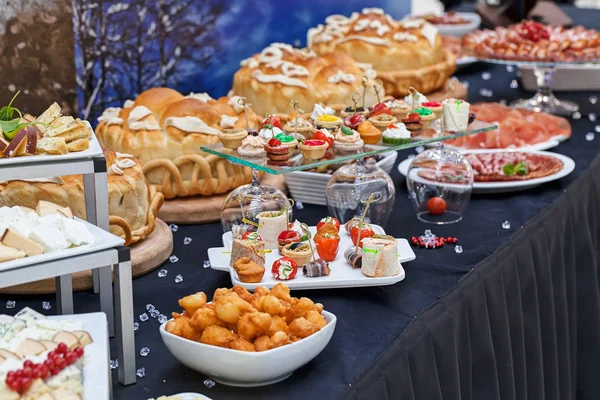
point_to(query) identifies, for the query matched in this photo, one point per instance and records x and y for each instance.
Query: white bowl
(462, 29)
(247, 369)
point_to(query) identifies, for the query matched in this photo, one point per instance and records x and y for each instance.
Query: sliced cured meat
(490, 167)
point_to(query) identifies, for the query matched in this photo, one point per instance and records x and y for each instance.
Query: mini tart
(348, 143)
(398, 108)
(252, 146)
(299, 252)
(369, 133)
(427, 116)
(346, 112)
(435, 107)
(328, 121)
(288, 141)
(306, 129)
(382, 121)
(232, 138)
(396, 134)
(311, 151)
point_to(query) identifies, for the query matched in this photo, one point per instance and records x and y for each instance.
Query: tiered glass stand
(544, 100)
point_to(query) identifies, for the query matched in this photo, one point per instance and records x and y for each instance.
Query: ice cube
(576, 115)
(486, 92)
(514, 84)
(173, 227)
(178, 279)
(428, 233)
(173, 259)
(46, 305)
(114, 364)
(465, 84)
(144, 317)
(187, 240)
(136, 326)
(592, 117)
(458, 248)
(589, 136)
(150, 307)
(509, 68)
(154, 313)
(597, 128)
(209, 383)
(141, 372)
(486, 76)
(11, 304)
(206, 264)
(419, 149)
(506, 225)
(144, 351)
(162, 273)
(299, 205)
(162, 318)
(593, 99)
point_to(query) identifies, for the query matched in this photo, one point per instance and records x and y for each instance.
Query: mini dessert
(434, 106)
(270, 225)
(353, 257)
(299, 125)
(399, 108)
(349, 111)
(455, 115)
(369, 133)
(382, 121)
(299, 252)
(250, 246)
(232, 138)
(380, 257)
(277, 154)
(359, 232)
(284, 269)
(288, 141)
(327, 220)
(316, 268)
(413, 124)
(252, 146)
(271, 121)
(427, 116)
(268, 132)
(418, 99)
(354, 120)
(396, 134)
(328, 121)
(288, 237)
(248, 271)
(320, 110)
(347, 140)
(323, 134)
(313, 149)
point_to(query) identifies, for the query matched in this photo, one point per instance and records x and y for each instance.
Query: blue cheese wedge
(27, 314)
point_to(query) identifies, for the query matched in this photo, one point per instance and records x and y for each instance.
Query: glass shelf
(298, 164)
(542, 64)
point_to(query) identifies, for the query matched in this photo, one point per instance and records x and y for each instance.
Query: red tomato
(365, 232)
(327, 247)
(329, 219)
(431, 104)
(379, 106)
(354, 120)
(383, 110)
(322, 136)
(284, 269)
(412, 117)
(272, 120)
(314, 142)
(274, 142)
(251, 236)
(436, 206)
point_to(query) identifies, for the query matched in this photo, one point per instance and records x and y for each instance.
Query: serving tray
(342, 274)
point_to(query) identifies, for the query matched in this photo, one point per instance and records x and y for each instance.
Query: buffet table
(516, 314)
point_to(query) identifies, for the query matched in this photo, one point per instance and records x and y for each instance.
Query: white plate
(465, 60)
(191, 396)
(96, 366)
(309, 187)
(342, 274)
(93, 150)
(512, 186)
(458, 30)
(102, 240)
(248, 369)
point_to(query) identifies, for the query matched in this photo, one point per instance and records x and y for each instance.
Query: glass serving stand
(544, 100)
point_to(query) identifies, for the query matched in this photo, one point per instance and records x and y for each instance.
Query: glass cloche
(351, 186)
(245, 205)
(440, 182)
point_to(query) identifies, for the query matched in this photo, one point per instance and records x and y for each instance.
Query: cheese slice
(17, 241)
(75, 232)
(81, 132)
(49, 145)
(47, 208)
(50, 237)
(78, 145)
(64, 128)
(28, 314)
(48, 116)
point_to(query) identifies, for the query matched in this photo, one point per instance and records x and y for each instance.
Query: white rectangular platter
(102, 240)
(92, 151)
(96, 383)
(342, 274)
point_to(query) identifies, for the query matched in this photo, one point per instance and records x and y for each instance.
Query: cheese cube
(17, 241)
(75, 232)
(50, 237)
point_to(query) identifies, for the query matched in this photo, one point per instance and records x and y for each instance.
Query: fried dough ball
(270, 304)
(180, 326)
(230, 307)
(262, 343)
(301, 328)
(218, 336)
(277, 324)
(279, 339)
(231, 327)
(219, 292)
(205, 317)
(251, 325)
(282, 292)
(192, 302)
(243, 293)
(316, 318)
(260, 292)
(241, 344)
(301, 308)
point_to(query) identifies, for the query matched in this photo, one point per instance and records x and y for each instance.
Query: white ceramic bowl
(461, 30)
(246, 369)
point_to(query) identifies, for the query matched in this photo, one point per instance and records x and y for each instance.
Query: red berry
(55, 371)
(79, 351)
(61, 363)
(274, 142)
(44, 372)
(28, 364)
(27, 372)
(455, 240)
(62, 348)
(49, 364)
(422, 244)
(25, 384)
(71, 357)
(11, 376)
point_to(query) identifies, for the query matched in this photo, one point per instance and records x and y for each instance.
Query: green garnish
(347, 131)
(423, 111)
(267, 126)
(9, 125)
(283, 138)
(374, 251)
(519, 169)
(458, 104)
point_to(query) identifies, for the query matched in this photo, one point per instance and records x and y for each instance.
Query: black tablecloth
(545, 279)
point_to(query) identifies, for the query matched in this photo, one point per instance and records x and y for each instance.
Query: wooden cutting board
(201, 210)
(146, 256)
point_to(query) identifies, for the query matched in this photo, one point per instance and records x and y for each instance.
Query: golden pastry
(248, 271)
(369, 133)
(232, 138)
(382, 121)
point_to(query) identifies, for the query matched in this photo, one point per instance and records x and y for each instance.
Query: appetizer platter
(25, 138)
(270, 330)
(452, 23)
(327, 260)
(50, 232)
(58, 357)
(499, 171)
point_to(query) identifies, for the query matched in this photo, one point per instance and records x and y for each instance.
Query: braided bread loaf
(165, 130)
(404, 53)
(132, 205)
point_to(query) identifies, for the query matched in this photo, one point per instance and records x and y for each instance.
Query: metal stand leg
(90, 213)
(64, 294)
(125, 335)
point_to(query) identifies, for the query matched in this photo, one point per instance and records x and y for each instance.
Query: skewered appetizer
(251, 247)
